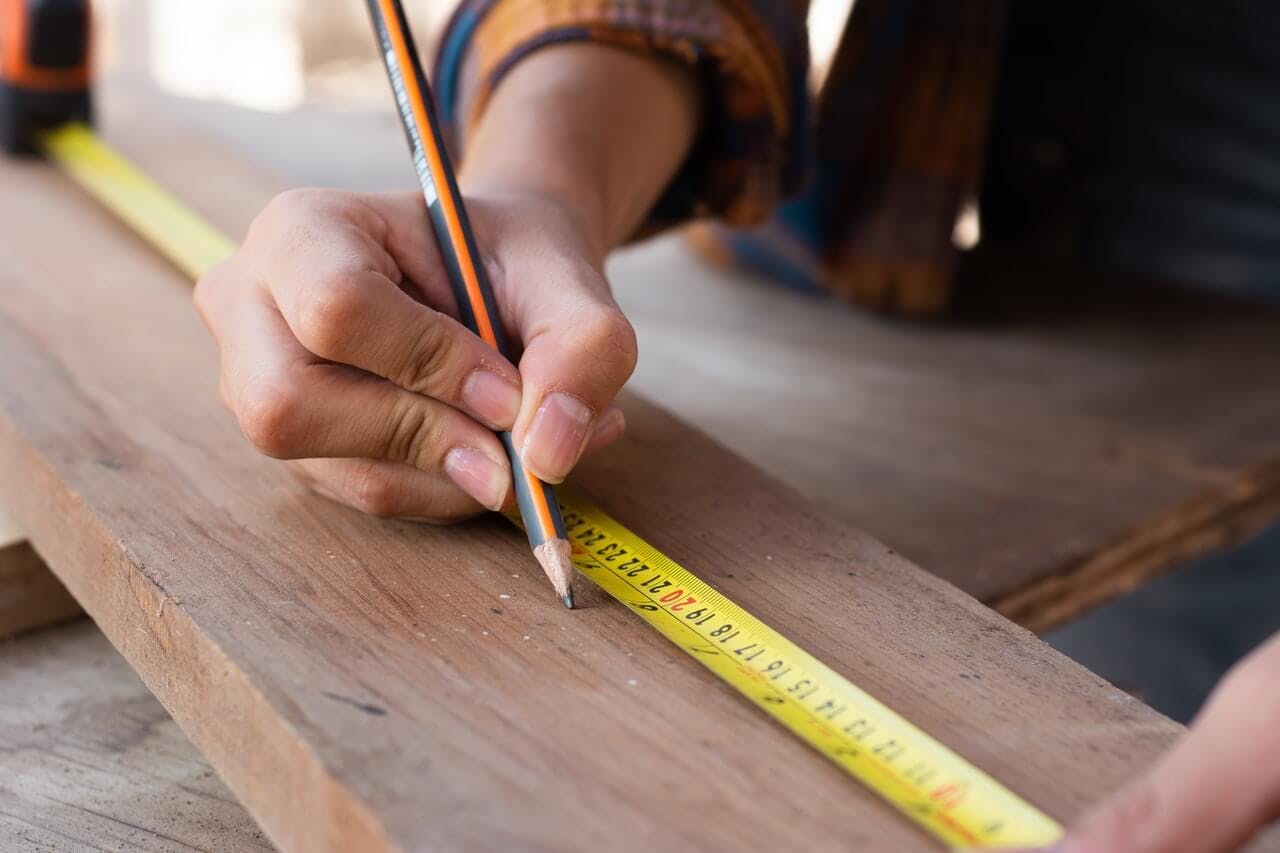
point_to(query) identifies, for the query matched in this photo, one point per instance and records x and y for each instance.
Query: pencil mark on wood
(367, 707)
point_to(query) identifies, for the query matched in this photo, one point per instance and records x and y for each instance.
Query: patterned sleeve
(753, 55)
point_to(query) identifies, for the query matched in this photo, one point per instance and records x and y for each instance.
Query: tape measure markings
(934, 787)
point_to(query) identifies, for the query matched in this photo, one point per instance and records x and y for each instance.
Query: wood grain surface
(367, 684)
(89, 760)
(1045, 456)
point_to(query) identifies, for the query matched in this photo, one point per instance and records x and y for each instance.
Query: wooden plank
(365, 684)
(89, 760)
(30, 596)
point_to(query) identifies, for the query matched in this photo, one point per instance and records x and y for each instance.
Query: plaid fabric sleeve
(752, 54)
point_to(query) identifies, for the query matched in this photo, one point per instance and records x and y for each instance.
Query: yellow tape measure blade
(180, 234)
(940, 791)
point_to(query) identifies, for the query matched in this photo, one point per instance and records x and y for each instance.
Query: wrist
(547, 210)
(579, 206)
(597, 130)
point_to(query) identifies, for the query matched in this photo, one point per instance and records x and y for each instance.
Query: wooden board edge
(1212, 521)
(184, 669)
(1199, 527)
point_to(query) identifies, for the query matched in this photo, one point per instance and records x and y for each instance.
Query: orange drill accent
(15, 65)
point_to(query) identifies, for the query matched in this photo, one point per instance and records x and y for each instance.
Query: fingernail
(608, 427)
(556, 436)
(478, 475)
(491, 398)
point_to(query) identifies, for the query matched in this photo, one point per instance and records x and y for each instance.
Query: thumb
(579, 350)
(1215, 788)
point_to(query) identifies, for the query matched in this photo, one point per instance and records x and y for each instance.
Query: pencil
(479, 311)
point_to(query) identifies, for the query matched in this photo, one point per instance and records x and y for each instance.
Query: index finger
(340, 292)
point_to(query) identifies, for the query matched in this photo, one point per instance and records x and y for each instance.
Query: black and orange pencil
(538, 507)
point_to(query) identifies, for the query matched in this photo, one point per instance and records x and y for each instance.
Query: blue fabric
(1191, 180)
(448, 66)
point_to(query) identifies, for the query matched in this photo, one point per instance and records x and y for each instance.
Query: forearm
(599, 129)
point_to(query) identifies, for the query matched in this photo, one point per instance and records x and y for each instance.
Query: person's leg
(900, 126)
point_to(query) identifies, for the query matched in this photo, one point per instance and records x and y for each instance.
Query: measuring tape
(950, 798)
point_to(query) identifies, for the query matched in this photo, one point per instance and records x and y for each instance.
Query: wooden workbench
(363, 683)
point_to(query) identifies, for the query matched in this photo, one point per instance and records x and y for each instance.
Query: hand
(336, 321)
(340, 349)
(1215, 789)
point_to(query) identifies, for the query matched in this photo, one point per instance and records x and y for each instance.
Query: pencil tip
(554, 557)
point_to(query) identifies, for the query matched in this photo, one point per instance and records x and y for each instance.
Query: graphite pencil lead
(553, 556)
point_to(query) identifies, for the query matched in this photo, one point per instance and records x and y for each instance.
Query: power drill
(44, 68)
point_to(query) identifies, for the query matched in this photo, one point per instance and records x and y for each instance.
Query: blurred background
(259, 68)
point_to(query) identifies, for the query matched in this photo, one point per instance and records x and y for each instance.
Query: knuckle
(287, 207)
(431, 358)
(275, 217)
(607, 336)
(291, 221)
(372, 491)
(413, 437)
(330, 313)
(270, 414)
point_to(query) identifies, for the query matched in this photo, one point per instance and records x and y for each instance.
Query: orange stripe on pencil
(445, 209)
